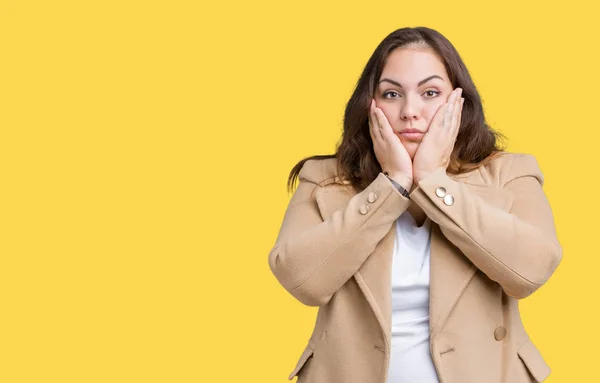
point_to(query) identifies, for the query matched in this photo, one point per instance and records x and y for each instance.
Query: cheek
(389, 110)
(430, 110)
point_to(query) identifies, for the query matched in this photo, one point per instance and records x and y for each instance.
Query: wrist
(402, 180)
(419, 176)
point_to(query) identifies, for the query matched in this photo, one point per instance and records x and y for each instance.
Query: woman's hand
(437, 144)
(391, 154)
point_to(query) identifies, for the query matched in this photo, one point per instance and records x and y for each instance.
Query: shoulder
(319, 171)
(509, 166)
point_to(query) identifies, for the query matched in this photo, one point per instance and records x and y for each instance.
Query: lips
(411, 130)
(411, 134)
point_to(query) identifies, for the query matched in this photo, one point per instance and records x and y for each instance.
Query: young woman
(418, 237)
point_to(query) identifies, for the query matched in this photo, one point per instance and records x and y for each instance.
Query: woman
(417, 238)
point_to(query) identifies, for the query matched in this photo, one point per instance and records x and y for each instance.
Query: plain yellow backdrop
(145, 147)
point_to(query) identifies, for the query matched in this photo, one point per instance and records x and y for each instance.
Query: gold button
(364, 209)
(448, 200)
(440, 192)
(500, 333)
(372, 197)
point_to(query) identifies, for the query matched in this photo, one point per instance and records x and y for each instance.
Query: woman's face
(412, 87)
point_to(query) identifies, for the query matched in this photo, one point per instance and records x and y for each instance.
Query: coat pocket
(307, 353)
(534, 361)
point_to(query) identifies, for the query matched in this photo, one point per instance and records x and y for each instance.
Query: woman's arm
(312, 258)
(516, 248)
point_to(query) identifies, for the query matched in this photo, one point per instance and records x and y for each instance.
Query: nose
(410, 108)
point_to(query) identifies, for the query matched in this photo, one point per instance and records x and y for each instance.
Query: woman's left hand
(437, 144)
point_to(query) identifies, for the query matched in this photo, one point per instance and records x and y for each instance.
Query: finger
(450, 110)
(438, 120)
(382, 123)
(387, 132)
(456, 117)
(459, 122)
(373, 127)
(371, 119)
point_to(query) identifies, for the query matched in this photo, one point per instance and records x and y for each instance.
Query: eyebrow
(419, 84)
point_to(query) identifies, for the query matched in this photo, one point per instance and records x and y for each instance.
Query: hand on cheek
(438, 143)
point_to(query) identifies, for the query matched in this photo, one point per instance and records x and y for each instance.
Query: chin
(411, 148)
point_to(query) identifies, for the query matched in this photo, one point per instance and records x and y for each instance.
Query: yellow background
(144, 150)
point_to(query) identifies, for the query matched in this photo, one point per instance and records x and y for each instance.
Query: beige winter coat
(493, 242)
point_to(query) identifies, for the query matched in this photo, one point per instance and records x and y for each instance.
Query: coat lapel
(376, 272)
(449, 273)
(374, 275)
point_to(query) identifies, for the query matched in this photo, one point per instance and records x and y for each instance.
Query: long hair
(476, 143)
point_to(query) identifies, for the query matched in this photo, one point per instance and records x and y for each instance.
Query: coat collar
(450, 270)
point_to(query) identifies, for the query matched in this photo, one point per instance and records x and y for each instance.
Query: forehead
(411, 65)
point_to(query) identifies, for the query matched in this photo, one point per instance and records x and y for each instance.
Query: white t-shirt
(410, 358)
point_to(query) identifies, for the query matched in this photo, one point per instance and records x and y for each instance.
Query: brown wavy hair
(476, 143)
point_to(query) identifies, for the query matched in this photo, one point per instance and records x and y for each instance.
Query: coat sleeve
(517, 248)
(312, 258)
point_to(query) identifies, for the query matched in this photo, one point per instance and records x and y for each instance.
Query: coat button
(449, 200)
(440, 192)
(372, 197)
(364, 209)
(500, 333)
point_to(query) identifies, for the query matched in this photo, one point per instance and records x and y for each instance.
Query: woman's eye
(432, 93)
(391, 92)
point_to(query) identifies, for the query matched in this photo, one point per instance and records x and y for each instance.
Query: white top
(410, 358)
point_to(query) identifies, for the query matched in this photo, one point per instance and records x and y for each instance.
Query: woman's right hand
(389, 150)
